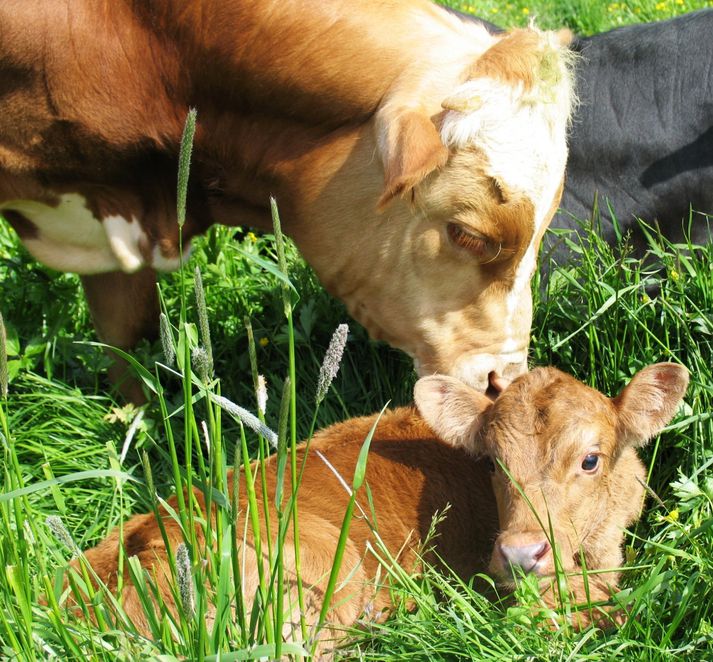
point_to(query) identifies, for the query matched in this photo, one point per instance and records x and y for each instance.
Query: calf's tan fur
(539, 438)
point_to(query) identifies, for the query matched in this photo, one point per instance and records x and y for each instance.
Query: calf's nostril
(544, 548)
(524, 556)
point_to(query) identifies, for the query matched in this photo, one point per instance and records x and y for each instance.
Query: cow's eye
(590, 462)
(490, 464)
(472, 241)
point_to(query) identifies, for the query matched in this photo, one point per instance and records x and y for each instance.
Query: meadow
(76, 455)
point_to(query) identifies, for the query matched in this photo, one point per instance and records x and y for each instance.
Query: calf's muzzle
(530, 557)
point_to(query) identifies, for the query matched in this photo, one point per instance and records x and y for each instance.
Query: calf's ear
(454, 411)
(649, 401)
(411, 149)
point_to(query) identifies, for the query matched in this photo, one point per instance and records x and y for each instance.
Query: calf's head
(564, 467)
(470, 187)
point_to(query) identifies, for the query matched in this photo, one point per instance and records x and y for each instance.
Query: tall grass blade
(3, 359)
(62, 480)
(359, 475)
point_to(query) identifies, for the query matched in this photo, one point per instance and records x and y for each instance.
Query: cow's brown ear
(452, 409)
(411, 149)
(649, 402)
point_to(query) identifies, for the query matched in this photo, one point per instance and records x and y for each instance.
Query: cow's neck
(252, 55)
(279, 119)
(327, 186)
(267, 105)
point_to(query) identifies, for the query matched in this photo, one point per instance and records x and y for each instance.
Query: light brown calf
(569, 448)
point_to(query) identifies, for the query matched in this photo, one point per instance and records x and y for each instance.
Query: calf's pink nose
(524, 556)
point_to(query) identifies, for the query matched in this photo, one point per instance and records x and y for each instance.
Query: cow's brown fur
(333, 107)
(539, 429)
(513, 60)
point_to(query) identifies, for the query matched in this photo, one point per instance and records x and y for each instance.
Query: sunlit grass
(584, 17)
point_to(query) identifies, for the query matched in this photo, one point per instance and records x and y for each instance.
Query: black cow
(642, 138)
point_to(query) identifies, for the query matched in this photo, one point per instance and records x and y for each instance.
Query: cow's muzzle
(475, 370)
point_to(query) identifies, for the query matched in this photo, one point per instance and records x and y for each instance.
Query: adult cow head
(482, 181)
(472, 175)
(417, 159)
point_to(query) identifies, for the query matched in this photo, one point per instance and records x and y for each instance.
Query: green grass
(601, 318)
(582, 16)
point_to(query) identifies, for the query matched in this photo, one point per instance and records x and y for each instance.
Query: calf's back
(411, 476)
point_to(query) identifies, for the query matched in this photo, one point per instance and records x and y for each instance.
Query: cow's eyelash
(471, 241)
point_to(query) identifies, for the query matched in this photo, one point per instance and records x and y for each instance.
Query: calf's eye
(590, 462)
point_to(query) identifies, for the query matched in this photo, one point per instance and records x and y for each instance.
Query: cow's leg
(124, 309)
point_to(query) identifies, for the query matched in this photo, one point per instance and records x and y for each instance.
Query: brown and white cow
(564, 446)
(416, 159)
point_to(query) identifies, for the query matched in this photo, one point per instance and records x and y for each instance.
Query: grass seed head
(184, 165)
(29, 535)
(261, 394)
(201, 363)
(169, 349)
(60, 532)
(332, 361)
(246, 418)
(186, 588)
(203, 318)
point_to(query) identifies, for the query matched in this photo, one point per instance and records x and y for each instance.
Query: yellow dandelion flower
(675, 276)
(525, 11)
(263, 342)
(673, 515)
(252, 237)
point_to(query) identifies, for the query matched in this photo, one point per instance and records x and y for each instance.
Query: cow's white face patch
(68, 237)
(475, 370)
(523, 136)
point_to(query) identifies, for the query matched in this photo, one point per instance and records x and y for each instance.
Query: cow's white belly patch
(68, 237)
